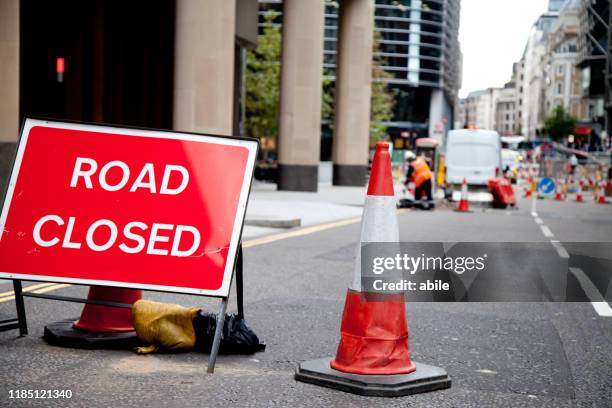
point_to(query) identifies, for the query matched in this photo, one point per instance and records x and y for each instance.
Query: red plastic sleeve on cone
(381, 181)
(374, 336)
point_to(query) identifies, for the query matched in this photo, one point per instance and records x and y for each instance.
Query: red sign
(121, 207)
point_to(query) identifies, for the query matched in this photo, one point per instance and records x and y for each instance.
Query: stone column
(9, 85)
(353, 92)
(301, 87)
(204, 66)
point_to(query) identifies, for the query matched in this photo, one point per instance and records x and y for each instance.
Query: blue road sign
(546, 186)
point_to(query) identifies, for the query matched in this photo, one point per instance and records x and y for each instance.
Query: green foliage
(383, 98)
(263, 82)
(559, 124)
(263, 87)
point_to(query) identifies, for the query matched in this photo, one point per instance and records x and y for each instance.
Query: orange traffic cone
(579, 198)
(601, 199)
(529, 184)
(559, 191)
(374, 334)
(373, 356)
(464, 205)
(106, 319)
(99, 326)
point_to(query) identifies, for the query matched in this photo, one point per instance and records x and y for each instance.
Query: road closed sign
(130, 208)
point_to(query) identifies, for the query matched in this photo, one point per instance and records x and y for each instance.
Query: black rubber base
(349, 175)
(62, 334)
(294, 177)
(426, 378)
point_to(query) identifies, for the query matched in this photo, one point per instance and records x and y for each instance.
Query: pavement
(328, 204)
(507, 354)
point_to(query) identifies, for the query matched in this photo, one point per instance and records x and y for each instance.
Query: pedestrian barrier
(76, 210)
(373, 356)
(463, 205)
(503, 194)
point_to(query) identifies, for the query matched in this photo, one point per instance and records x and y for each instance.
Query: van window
(472, 154)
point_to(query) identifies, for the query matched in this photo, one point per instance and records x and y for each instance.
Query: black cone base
(62, 334)
(426, 378)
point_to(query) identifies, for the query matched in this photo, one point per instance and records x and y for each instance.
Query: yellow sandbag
(162, 324)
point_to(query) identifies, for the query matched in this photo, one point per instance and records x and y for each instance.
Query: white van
(473, 154)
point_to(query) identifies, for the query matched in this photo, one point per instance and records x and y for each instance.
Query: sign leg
(239, 285)
(21, 314)
(214, 350)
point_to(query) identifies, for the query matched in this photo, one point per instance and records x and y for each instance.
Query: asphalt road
(498, 354)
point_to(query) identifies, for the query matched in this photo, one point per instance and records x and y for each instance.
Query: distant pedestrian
(420, 173)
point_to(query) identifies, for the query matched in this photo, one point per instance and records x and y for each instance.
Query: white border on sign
(223, 291)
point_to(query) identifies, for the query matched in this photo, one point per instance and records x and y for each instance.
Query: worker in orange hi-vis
(419, 173)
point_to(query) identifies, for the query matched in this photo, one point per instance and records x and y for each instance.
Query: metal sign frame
(234, 264)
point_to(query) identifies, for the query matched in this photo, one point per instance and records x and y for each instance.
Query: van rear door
(476, 162)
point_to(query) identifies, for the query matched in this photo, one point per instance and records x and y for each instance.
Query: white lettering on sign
(136, 236)
(129, 236)
(85, 169)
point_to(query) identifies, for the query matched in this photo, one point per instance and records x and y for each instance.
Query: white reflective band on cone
(378, 224)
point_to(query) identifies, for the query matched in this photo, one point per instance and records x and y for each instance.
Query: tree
(263, 81)
(383, 98)
(559, 124)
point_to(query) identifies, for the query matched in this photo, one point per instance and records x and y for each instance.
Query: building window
(560, 69)
(507, 117)
(559, 88)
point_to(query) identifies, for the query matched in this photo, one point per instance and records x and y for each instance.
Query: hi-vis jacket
(421, 171)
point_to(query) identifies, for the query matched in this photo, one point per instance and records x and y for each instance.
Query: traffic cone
(373, 356)
(601, 199)
(106, 319)
(559, 191)
(579, 198)
(464, 205)
(529, 185)
(99, 326)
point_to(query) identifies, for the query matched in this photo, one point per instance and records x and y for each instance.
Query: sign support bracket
(20, 321)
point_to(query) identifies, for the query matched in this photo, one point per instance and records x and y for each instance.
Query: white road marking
(599, 304)
(486, 371)
(597, 300)
(546, 231)
(560, 249)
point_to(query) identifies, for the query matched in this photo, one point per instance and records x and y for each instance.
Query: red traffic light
(59, 65)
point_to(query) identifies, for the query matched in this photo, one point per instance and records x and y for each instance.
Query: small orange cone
(529, 185)
(601, 199)
(99, 327)
(559, 191)
(106, 319)
(464, 205)
(579, 198)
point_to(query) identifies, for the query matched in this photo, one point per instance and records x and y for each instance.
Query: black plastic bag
(236, 337)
